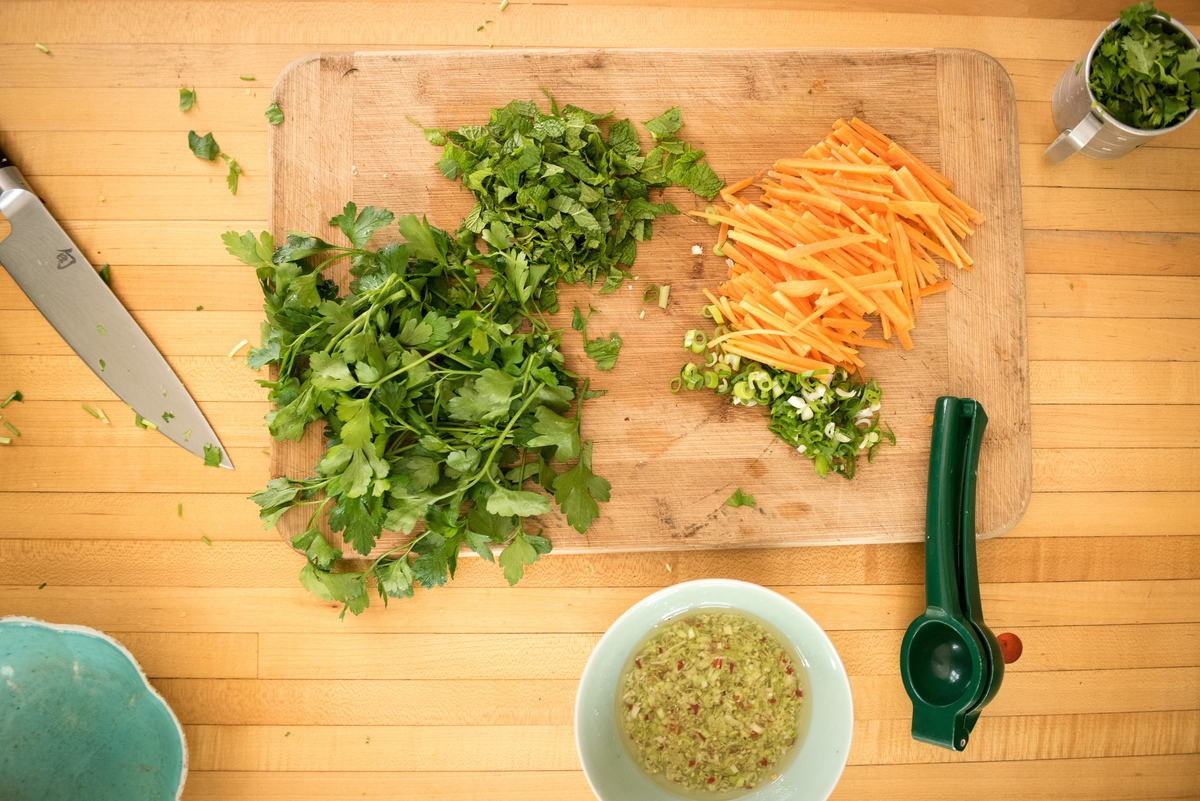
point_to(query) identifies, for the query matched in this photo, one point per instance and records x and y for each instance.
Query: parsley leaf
(604, 351)
(187, 98)
(203, 147)
(553, 429)
(274, 114)
(577, 491)
(525, 549)
(231, 180)
(360, 226)
(738, 498)
(212, 455)
(505, 503)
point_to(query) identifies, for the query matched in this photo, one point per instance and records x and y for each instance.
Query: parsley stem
(411, 365)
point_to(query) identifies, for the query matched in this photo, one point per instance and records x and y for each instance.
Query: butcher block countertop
(467, 692)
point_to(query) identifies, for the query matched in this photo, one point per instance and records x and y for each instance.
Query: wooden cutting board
(674, 459)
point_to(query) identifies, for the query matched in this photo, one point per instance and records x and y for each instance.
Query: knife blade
(56, 277)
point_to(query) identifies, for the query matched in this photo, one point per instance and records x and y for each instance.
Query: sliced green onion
(5, 441)
(664, 293)
(15, 395)
(90, 410)
(710, 360)
(698, 342)
(734, 361)
(713, 210)
(743, 391)
(706, 312)
(12, 428)
(42, 47)
(103, 416)
(650, 294)
(710, 379)
(723, 386)
(676, 384)
(689, 338)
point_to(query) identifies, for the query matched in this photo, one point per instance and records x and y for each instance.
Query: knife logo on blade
(65, 258)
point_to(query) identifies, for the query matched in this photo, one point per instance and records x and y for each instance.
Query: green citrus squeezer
(950, 661)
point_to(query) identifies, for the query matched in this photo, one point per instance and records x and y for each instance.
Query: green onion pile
(830, 419)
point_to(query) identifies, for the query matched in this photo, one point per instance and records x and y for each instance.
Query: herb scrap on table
(739, 498)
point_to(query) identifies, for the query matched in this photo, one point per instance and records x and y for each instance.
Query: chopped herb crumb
(102, 365)
(274, 114)
(205, 540)
(739, 498)
(187, 98)
(179, 510)
(100, 330)
(12, 428)
(90, 411)
(167, 417)
(199, 308)
(212, 456)
(15, 395)
(106, 275)
(246, 77)
(42, 586)
(42, 47)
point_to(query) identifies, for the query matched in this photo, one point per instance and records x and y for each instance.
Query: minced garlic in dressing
(711, 702)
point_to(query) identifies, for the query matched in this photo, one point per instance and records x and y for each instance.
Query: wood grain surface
(346, 137)
(466, 693)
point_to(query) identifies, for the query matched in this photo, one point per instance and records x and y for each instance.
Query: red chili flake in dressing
(638, 662)
(692, 763)
(679, 666)
(789, 670)
(799, 693)
(712, 779)
(731, 667)
(770, 700)
(764, 762)
(717, 663)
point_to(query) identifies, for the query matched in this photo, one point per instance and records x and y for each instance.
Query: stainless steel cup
(1086, 126)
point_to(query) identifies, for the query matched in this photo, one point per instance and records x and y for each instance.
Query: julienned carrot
(848, 230)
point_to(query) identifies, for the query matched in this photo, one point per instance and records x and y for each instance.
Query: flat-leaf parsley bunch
(444, 392)
(441, 397)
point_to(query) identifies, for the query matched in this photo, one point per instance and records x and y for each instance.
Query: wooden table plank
(574, 610)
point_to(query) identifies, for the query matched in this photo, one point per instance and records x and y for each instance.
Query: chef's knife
(52, 271)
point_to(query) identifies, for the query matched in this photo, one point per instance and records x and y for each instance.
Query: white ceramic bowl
(812, 773)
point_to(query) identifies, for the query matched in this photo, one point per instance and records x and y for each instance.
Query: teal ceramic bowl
(814, 770)
(78, 720)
